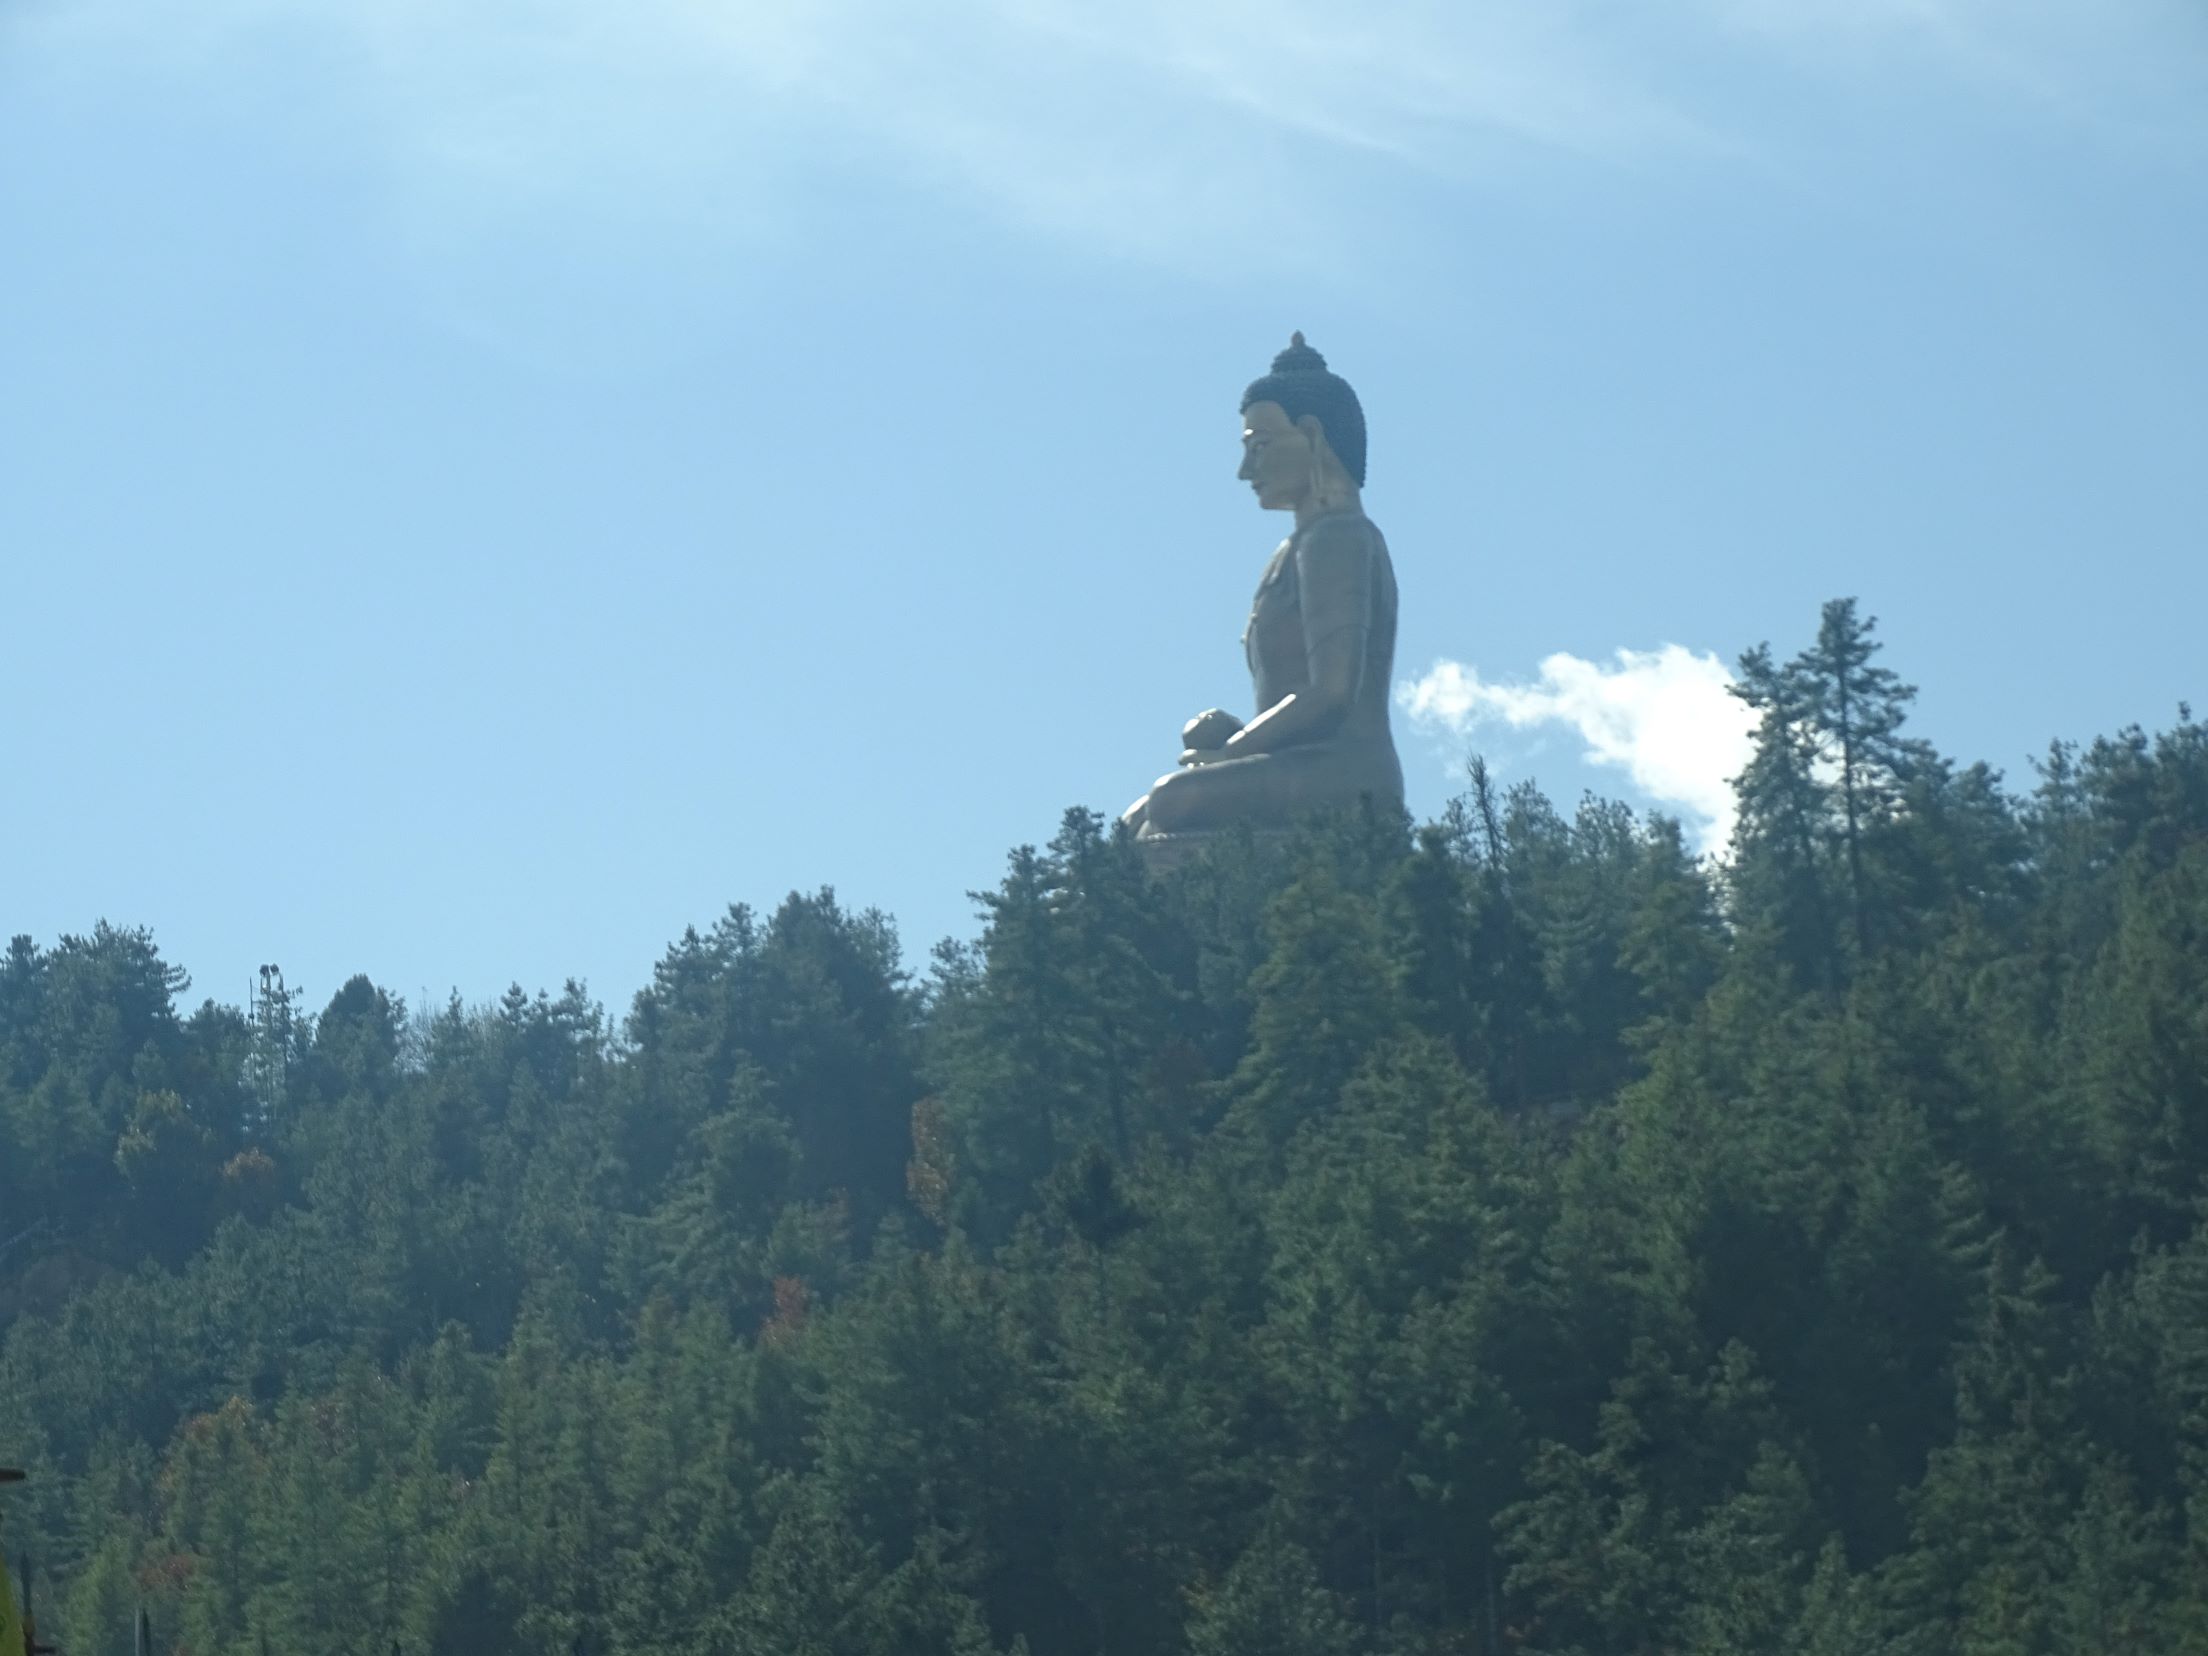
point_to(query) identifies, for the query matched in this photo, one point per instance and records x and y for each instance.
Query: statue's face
(1277, 458)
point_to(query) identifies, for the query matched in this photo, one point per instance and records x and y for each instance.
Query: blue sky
(482, 487)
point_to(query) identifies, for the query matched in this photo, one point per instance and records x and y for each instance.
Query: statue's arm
(1334, 575)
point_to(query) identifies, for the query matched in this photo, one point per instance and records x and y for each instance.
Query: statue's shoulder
(1341, 536)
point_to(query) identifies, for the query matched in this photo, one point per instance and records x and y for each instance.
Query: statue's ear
(1322, 451)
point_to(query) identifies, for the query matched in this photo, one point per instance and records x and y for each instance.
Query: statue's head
(1302, 427)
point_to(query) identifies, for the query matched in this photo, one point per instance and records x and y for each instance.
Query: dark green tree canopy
(1505, 1234)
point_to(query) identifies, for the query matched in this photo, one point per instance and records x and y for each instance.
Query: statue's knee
(1170, 800)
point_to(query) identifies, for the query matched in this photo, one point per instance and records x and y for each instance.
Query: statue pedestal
(1169, 853)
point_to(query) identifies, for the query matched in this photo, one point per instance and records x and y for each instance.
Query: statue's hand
(1208, 731)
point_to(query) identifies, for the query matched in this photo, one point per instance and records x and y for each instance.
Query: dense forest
(1507, 1233)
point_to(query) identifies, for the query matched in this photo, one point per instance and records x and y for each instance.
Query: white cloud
(1663, 716)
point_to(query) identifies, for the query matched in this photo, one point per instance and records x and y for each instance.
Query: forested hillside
(1503, 1234)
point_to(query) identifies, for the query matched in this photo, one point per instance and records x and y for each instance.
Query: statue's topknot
(1299, 358)
(1301, 385)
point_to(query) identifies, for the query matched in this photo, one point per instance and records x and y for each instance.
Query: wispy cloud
(1172, 129)
(1662, 716)
(2129, 67)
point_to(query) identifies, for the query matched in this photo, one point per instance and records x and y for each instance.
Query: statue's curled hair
(1301, 384)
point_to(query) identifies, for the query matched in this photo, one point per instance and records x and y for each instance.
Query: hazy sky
(484, 486)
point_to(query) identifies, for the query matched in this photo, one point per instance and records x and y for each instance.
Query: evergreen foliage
(1511, 1234)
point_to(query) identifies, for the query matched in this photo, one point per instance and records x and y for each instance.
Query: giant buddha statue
(1321, 636)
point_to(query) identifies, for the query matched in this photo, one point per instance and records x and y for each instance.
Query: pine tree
(1855, 711)
(1782, 885)
(1326, 997)
(1271, 1601)
(98, 1618)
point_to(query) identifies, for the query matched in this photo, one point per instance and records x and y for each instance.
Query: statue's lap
(1271, 788)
